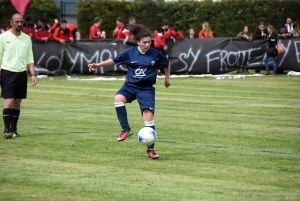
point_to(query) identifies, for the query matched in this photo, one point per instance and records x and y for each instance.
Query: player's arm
(94, 66)
(167, 75)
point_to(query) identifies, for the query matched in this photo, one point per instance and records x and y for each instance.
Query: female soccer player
(142, 62)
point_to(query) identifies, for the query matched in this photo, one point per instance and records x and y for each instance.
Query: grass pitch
(217, 140)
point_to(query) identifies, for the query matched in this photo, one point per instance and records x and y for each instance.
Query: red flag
(20, 5)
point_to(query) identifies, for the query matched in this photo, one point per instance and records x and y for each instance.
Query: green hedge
(35, 9)
(226, 17)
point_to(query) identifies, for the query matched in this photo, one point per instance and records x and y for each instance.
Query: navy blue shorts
(145, 95)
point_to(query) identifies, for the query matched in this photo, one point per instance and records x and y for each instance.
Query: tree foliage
(226, 17)
(35, 9)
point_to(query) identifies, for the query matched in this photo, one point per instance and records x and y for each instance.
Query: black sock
(7, 114)
(14, 120)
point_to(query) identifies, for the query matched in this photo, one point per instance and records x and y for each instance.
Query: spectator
(260, 32)
(159, 37)
(28, 27)
(192, 33)
(75, 33)
(282, 33)
(159, 41)
(63, 33)
(206, 32)
(95, 32)
(296, 31)
(117, 34)
(245, 34)
(289, 24)
(272, 39)
(42, 31)
(175, 33)
(131, 20)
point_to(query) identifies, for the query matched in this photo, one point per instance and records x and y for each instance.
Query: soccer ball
(147, 136)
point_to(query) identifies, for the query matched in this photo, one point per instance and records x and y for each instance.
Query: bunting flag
(20, 5)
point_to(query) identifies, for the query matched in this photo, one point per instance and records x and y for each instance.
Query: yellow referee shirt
(15, 52)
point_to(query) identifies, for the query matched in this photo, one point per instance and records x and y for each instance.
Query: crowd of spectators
(62, 31)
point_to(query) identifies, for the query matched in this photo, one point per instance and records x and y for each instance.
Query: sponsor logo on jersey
(138, 73)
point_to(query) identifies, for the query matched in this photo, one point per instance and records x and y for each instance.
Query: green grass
(217, 140)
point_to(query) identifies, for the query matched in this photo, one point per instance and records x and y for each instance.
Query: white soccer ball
(147, 136)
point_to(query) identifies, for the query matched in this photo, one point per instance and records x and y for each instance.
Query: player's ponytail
(139, 31)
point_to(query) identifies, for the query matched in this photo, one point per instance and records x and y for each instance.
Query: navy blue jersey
(141, 67)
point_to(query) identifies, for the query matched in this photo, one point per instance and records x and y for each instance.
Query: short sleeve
(162, 60)
(121, 58)
(29, 58)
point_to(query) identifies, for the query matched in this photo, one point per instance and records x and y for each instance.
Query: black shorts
(13, 84)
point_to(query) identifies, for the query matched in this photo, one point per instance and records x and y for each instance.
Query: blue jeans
(266, 57)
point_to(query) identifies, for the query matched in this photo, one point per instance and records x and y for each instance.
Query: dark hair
(43, 20)
(28, 18)
(63, 21)
(249, 31)
(139, 31)
(97, 19)
(119, 19)
(295, 25)
(261, 23)
(176, 28)
(192, 28)
(164, 23)
(130, 19)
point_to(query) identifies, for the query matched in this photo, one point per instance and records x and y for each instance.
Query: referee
(15, 57)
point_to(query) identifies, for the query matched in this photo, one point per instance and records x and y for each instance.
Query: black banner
(188, 56)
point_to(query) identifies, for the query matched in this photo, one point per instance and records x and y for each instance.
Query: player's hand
(92, 67)
(166, 47)
(62, 41)
(167, 83)
(33, 80)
